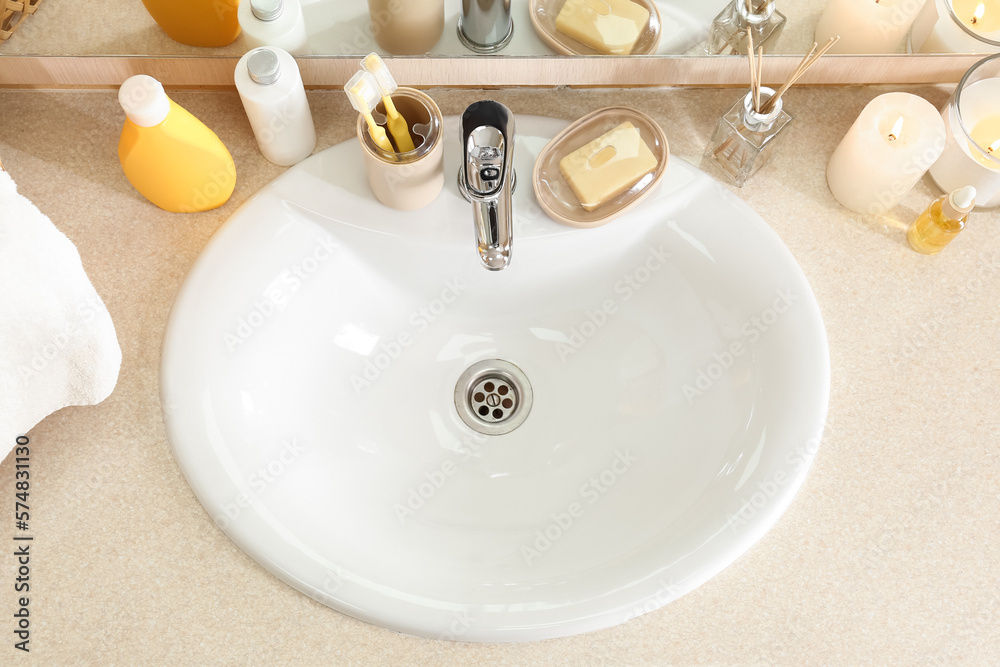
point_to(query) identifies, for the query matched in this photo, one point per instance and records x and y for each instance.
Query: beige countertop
(890, 552)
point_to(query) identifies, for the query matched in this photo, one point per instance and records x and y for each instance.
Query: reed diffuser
(744, 137)
(729, 30)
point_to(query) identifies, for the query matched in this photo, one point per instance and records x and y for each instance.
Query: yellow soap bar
(607, 166)
(607, 26)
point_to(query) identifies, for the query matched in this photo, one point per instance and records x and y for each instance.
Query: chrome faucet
(487, 178)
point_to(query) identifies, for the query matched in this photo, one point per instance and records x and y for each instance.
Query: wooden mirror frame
(330, 72)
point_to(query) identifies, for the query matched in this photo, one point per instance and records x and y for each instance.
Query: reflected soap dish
(600, 166)
(543, 18)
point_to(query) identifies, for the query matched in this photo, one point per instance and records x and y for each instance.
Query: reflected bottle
(729, 29)
(277, 23)
(197, 22)
(745, 138)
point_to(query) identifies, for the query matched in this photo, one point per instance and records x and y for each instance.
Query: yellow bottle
(197, 22)
(168, 155)
(942, 221)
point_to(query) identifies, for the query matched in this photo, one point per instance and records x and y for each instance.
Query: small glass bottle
(942, 221)
(729, 29)
(744, 139)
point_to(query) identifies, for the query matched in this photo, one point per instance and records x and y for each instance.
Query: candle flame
(897, 129)
(995, 146)
(980, 10)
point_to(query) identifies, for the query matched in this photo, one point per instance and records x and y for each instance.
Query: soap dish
(554, 193)
(543, 18)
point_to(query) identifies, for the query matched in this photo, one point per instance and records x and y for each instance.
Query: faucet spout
(487, 180)
(494, 239)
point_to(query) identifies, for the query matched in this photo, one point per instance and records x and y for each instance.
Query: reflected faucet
(485, 26)
(487, 179)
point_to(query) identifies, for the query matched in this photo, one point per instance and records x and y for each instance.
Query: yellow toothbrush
(363, 92)
(387, 86)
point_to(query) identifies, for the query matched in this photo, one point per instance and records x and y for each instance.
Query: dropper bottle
(942, 221)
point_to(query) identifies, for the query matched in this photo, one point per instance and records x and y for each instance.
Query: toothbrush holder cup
(412, 180)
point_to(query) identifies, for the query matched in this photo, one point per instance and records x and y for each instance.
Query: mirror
(345, 27)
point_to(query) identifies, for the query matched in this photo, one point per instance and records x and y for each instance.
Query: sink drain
(493, 397)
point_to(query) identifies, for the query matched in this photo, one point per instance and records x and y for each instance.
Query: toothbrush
(387, 86)
(363, 92)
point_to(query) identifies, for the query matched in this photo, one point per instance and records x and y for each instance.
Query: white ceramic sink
(677, 360)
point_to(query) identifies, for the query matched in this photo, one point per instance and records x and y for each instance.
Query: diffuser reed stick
(757, 66)
(806, 63)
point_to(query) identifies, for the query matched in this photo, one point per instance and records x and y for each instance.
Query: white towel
(57, 343)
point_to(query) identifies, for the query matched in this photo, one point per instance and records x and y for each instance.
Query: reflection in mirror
(417, 27)
(574, 28)
(957, 26)
(357, 27)
(924, 26)
(12, 14)
(195, 22)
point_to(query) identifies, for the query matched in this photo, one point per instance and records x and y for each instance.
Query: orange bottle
(170, 156)
(197, 22)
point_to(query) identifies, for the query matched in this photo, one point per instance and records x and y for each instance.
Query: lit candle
(889, 147)
(897, 129)
(980, 15)
(957, 26)
(986, 134)
(972, 155)
(866, 26)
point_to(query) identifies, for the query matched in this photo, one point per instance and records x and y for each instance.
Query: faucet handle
(484, 162)
(487, 128)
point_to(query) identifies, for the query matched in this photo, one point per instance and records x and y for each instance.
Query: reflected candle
(957, 26)
(866, 26)
(887, 150)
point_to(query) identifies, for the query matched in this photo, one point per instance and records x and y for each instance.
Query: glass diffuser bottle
(745, 138)
(729, 29)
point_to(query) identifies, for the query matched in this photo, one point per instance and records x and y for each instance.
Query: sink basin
(313, 378)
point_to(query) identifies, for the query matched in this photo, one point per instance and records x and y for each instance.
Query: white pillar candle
(866, 26)
(889, 147)
(966, 159)
(957, 26)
